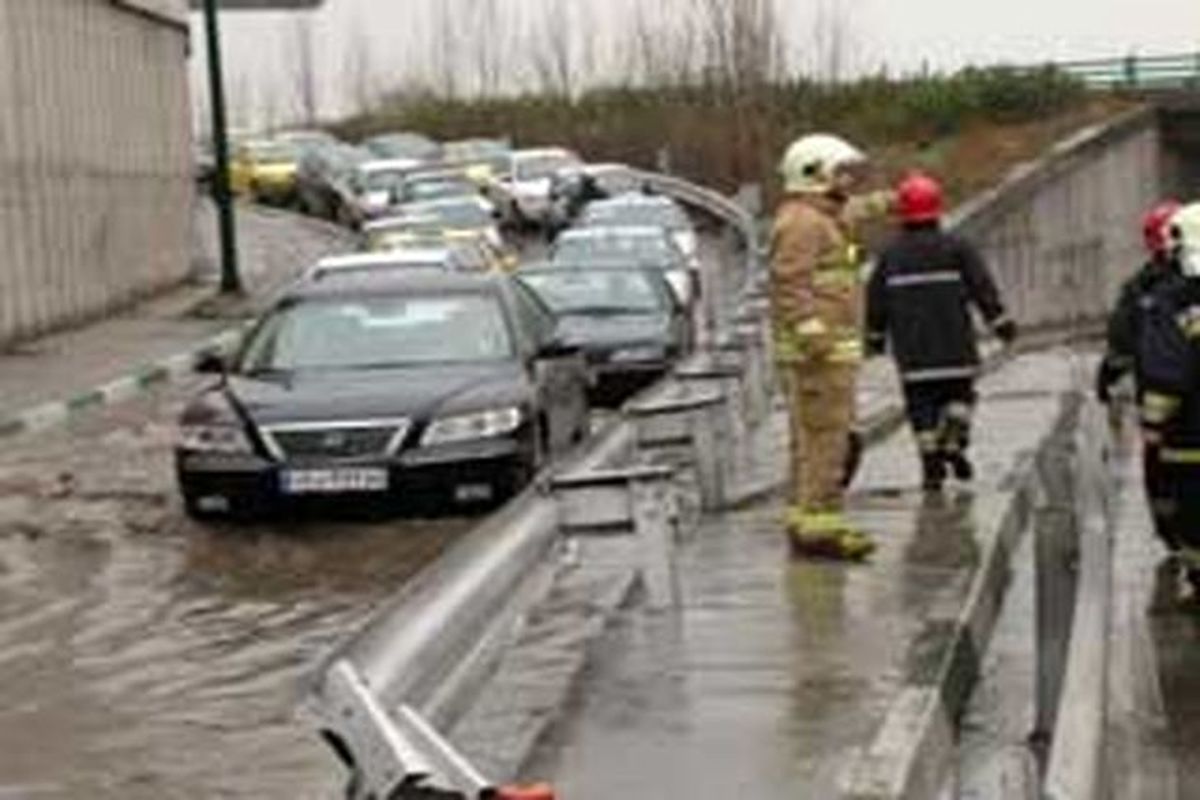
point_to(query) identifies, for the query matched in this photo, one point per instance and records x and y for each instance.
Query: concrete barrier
(95, 162)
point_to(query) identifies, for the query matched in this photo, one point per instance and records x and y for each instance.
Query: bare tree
(446, 43)
(552, 49)
(304, 68)
(487, 46)
(832, 42)
(359, 66)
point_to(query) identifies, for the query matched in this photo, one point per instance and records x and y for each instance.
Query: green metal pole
(231, 282)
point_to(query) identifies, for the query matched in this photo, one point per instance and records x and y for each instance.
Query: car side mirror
(557, 347)
(210, 362)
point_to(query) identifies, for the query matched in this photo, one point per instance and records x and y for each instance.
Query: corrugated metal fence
(95, 140)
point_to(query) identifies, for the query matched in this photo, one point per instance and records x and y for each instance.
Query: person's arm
(1121, 340)
(1168, 366)
(796, 247)
(981, 288)
(877, 308)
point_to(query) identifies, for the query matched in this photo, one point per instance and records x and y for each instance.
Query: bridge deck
(774, 673)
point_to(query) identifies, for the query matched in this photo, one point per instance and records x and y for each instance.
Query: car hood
(600, 330)
(414, 392)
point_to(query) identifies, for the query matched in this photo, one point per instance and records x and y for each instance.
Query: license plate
(335, 481)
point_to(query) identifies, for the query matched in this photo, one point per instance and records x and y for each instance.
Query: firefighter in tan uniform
(816, 299)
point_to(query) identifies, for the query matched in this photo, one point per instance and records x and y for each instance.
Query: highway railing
(1138, 73)
(1074, 574)
(383, 698)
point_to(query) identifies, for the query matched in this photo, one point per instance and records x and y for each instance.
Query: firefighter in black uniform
(919, 300)
(1168, 354)
(1120, 359)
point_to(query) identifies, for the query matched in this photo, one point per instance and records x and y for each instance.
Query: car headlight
(470, 427)
(222, 439)
(644, 353)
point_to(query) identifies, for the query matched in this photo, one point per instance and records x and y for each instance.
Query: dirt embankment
(969, 128)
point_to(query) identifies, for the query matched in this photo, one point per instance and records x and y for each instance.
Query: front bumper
(464, 474)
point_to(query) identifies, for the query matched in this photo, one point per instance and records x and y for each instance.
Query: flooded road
(143, 655)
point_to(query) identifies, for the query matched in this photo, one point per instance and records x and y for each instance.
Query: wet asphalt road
(147, 656)
(143, 655)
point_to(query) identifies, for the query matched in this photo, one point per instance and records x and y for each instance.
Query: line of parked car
(432, 367)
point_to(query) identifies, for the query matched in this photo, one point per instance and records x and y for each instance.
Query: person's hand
(1104, 383)
(875, 345)
(1007, 331)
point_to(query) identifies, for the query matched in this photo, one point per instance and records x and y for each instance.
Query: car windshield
(379, 332)
(381, 180)
(403, 145)
(570, 291)
(619, 248)
(272, 152)
(439, 188)
(466, 214)
(538, 167)
(664, 215)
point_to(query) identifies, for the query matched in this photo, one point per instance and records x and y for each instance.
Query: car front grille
(335, 441)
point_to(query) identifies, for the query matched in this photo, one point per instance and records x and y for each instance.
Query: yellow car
(264, 170)
(493, 257)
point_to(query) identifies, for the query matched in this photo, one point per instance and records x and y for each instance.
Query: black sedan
(444, 390)
(627, 321)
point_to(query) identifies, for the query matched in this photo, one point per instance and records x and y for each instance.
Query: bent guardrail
(382, 699)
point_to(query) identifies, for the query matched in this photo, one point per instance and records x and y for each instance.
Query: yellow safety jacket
(816, 278)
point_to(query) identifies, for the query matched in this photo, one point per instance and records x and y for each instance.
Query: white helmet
(1184, 232)
(810, 164)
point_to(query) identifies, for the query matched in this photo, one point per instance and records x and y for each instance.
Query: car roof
(542, 152)
(389, 165)
(385, 258)
(444, 202)
(555, 267)
(614, 231)
(397, 282)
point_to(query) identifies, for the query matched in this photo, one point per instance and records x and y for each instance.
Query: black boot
(933, 472)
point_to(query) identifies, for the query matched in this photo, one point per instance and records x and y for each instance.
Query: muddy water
(145, 656)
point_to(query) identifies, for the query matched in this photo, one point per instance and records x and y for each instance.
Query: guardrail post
(695, 423)
(729, 375)
(640, 500)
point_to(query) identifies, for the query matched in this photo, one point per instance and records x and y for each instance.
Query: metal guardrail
(383, 696)
(1073, 573)
(1139, 73)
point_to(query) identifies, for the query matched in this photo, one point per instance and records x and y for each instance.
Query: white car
(642, 209)
(436, 259)
(528, 185)
(645, 246)
(377, 184)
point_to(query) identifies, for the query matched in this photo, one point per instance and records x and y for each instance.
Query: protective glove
(875, 345)
(1007, 331)
(1106, 376)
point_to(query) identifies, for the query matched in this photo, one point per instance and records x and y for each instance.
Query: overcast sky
(368, 46)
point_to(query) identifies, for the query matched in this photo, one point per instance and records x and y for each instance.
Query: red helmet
(919, 199)
(1154, 226)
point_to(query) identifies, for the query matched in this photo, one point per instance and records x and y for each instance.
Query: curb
(139, 381)
(910, 754)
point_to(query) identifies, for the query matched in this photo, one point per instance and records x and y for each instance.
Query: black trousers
(940, 414)
(1163, 495)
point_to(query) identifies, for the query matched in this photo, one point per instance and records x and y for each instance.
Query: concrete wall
(1062, 233)
(95, 141)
